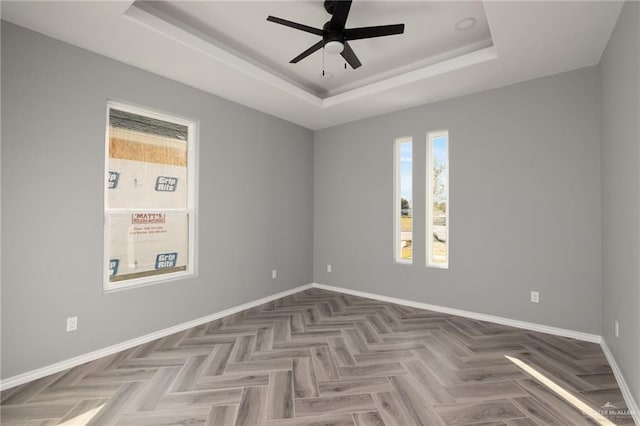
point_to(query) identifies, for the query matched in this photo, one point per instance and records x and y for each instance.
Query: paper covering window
(148, 197)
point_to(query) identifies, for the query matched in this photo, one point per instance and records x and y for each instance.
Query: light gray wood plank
(189, 416)
(484, 391)
(23, 393)
(264, 339)
(383, 357)
(431, 388)
(305, 384)
(22, 413)
(253, 406)
(477, 412)
(222, 415)
(210, 398)
(84, 411)
(217, 360)
(280, 395)
(258, 366)
(392, 410)
(232, 381)
(370, 418)
(281, 354)
(117, 376)
(416, 406)
(189, 374)
(541, 413)
(116, 405)
(344, 419)
(75, 393)
(147, 398)
(323, 363)
(334, 404)
(354, 386)
(372, 370)
(340, 352)
(242, 349)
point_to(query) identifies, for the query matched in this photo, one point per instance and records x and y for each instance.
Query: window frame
(429, 169)
(397, 196)
(192, 138)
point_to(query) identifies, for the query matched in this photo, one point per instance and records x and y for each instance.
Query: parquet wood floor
(324, 358)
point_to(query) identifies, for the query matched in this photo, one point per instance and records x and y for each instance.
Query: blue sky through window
(406, 166)
(439, 151)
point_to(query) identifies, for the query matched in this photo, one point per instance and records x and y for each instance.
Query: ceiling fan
(335, 37)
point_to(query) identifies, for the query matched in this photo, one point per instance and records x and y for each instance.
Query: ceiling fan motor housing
(335, 37)
(332, 34)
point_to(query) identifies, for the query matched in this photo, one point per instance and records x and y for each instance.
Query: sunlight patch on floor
(82, 419)
(563, 393)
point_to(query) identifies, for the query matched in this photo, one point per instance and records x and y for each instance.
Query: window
(403, 203)
(149, 197)
(438, 199)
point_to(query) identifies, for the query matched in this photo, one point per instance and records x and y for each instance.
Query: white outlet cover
(72, 323)
(274, 274)
(328, 268)
(535, 297)
(617, 330)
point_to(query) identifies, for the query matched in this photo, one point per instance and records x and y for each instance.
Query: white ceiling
(233, 52)
(429, 33)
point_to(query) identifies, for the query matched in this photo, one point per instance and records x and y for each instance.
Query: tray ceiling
(430, 36)
(229, 49)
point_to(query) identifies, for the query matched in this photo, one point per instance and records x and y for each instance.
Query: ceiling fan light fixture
(335, 36)
(334, 47)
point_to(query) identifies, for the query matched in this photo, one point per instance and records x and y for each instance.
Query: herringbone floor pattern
(324, 358)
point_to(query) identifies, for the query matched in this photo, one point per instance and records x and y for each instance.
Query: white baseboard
(593, 338)
(622, 383)
(109, 350)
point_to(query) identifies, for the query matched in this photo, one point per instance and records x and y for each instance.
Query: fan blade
(295, 25)
(349, 55)
(340, 14)
(370, 32)
(307, 52)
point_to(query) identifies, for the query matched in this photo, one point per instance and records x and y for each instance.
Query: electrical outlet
(328, 268)
(617, 329)
(535, 297)
(72, 323)
(274, 274)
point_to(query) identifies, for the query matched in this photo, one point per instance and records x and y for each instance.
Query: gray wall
(255, 203)
(525, 203)
(620, 71)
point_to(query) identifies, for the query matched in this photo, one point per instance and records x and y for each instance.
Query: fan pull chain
(323, 61)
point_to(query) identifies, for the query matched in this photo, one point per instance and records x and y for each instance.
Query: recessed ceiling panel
(430, 36)
(529, 39)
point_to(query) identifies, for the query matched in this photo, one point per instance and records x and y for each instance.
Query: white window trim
(429, 237)
(192, 137)
(397, 195)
